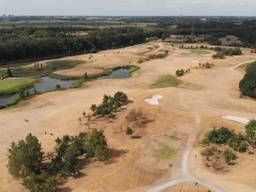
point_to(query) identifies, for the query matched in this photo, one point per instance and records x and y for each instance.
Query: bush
(238, 143)
(229, 156)
(219, 136)
(180, 72)
(129, 131)
(131, 116)
(250, 131)
(25, 157)
(248, 84)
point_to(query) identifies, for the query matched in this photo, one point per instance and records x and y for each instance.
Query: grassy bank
(38, 69)
(14, 85)
(166, 81)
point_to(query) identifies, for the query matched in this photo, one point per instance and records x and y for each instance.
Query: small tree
(25, 157)
(40, 183)
(180, 72)
(229, 156)
(250, 130)
(9, 72)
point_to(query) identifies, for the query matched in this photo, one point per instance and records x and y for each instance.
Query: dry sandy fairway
(207, 93)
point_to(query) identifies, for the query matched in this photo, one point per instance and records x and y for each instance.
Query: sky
(130, 7)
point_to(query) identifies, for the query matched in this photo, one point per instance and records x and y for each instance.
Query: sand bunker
(236, 118)
(153, 100)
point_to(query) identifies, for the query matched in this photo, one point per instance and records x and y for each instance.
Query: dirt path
(243, 63)
(186, 176)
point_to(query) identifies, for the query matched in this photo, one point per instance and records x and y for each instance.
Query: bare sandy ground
(212, 93)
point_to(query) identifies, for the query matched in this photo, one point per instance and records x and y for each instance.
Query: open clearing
(206, 95)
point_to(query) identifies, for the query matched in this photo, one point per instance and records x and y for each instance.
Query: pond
(117, 74)
(45, 84)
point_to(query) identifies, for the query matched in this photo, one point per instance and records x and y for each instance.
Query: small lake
(117, 74)
(45, 84)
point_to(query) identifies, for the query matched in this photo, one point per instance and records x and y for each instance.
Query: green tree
(250, 131)
(25, 157)
(40, 183)
(219, 136)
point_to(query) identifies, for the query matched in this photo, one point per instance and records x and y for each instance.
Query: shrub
(250, 131)
(248, 84)
(238, 143)
(131, 116)
(219, 136)
(229, 156)
(180, 72)
(25, 157)
(129, 131)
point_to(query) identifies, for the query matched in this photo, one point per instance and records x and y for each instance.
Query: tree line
(35, 44)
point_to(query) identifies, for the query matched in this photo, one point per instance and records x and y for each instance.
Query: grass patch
(199, 51)
(164, 152)
(41, 70)
(166, 81)
(14, 85)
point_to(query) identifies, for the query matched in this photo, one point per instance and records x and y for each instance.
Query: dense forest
(38, 43)
(35, 38)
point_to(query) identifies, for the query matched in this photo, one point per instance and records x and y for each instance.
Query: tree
(219, 136)
(120, 97)
(250, 131)
(9, 72)
(25, 157)
(40, 183)
(180, 72)
(96, 144)
(229, 156)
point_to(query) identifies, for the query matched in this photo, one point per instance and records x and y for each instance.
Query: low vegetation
(248, 84)
(231, 142)
(38, 69)
(14, 85)
(223, 52)
(110, 105)
(166, 81)
(41, 172)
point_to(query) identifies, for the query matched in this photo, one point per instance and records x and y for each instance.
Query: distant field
(166, 81)
(13, 85)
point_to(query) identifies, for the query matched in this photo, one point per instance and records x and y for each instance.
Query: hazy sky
(129, 7)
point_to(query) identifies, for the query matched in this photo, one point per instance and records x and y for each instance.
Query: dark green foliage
(40, 183)
(96, 145)
(248, 84)
(110, 105)
(129, 131)
(30, 45)
(238, 143)
(219, 136)
(9, 72)
(25, 157)
(229, 156)
(250, 132)
(222, 52)
(180, 72)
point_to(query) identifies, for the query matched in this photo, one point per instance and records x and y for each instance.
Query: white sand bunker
(236, 118)
(153, 100)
